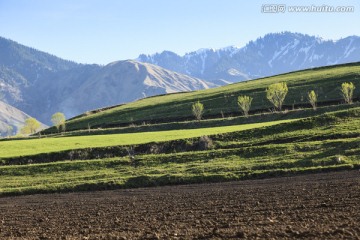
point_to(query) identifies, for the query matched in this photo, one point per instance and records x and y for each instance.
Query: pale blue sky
(102, 31)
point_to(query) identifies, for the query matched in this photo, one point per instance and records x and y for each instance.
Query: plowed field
(313, 206)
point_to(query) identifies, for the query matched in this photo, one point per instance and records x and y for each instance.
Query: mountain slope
(41, 84)
(23, 72)
(125, 81)
(11, 119)
(269, 55)
(22, 68)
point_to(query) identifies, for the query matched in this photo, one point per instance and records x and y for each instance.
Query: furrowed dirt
(314, 206)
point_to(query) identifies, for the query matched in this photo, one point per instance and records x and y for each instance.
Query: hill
(222, 101)
(275, 53)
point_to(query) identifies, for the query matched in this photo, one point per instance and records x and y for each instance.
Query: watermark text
(283, 8)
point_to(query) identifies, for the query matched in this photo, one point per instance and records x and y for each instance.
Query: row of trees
(276, 94)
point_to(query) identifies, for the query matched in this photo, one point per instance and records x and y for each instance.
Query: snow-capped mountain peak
(271, 54)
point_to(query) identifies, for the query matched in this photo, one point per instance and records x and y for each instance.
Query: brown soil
(316, 206)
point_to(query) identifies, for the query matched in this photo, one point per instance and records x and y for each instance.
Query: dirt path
(316, 206)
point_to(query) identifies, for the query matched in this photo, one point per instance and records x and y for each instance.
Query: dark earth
(312, 206)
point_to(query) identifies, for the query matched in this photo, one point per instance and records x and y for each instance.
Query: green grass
(216, 122)
(326, 142)
(160, 170)
(25, 147)
(325, 81)
(263, 145)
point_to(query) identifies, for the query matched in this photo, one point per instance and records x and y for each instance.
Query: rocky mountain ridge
(272, 54)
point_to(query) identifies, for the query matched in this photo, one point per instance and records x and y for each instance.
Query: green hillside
(112, 148)
(325, 81)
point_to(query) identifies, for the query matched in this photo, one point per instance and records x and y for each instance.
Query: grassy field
(323, 143)
(25, 147)
(169, 148)
(325, 81)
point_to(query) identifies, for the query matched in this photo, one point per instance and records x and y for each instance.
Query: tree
(312, 99)
(244, 103)
(347, 90)
(198, 110)
(58, 119)
(276, 94)
(31, 126)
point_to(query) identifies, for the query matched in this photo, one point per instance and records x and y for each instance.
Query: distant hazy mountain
(269, 55)
(23, 72)
(41, 84)
(125, 81)
(11, 119)
(22, 67)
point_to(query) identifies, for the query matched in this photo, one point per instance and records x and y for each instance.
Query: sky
(103, 31)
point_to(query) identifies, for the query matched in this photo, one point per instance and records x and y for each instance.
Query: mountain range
(121, 82)
(273, 54)
(41, 84)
